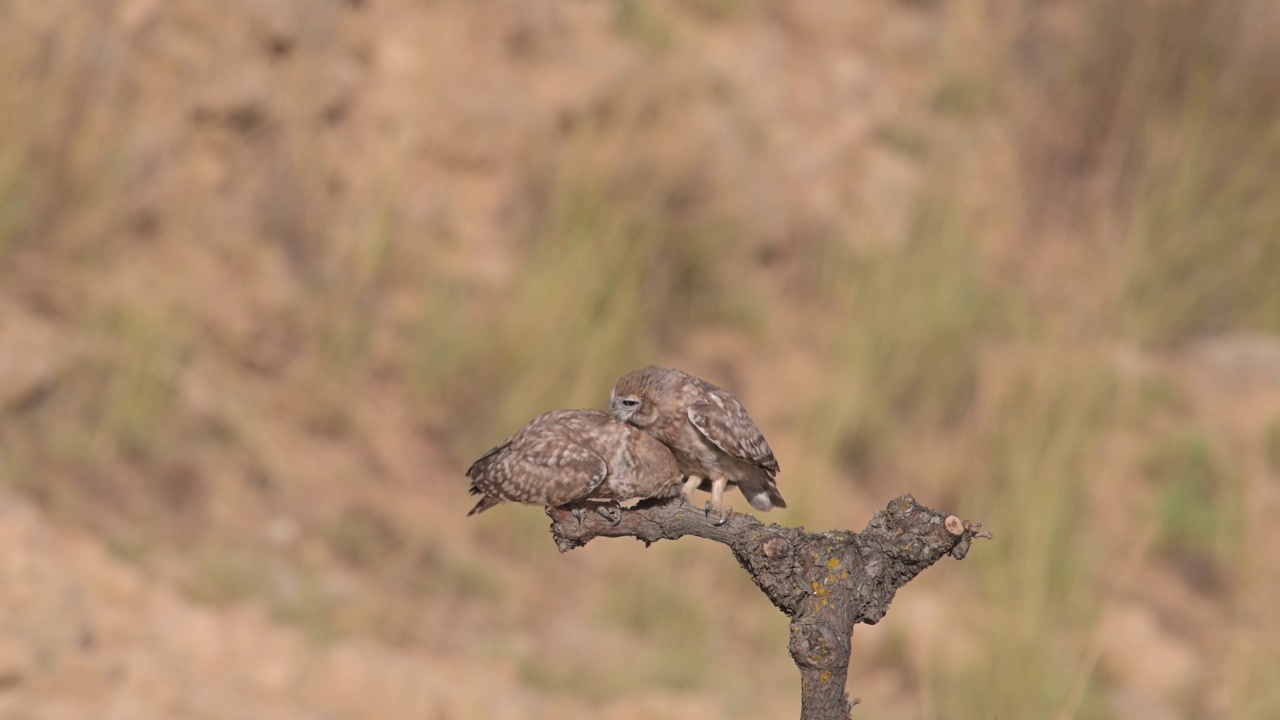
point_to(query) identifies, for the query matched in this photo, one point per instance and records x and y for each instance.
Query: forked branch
(825, 582)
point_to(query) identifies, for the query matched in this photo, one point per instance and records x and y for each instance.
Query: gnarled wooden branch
(825, 582)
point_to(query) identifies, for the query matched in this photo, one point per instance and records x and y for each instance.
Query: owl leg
(716, 502)
(690, 485)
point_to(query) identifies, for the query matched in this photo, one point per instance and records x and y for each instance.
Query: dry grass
(623, 251)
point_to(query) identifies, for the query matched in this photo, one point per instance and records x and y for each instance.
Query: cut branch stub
(825, 582)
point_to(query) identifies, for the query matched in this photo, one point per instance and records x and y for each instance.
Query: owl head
(633, 397)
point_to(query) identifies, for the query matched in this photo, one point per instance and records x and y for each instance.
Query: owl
(707, 429)
(581, 457)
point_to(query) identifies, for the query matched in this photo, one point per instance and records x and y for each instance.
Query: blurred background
(273, 273)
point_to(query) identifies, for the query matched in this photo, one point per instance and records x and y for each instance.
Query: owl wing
(543, 464)
(722, 420)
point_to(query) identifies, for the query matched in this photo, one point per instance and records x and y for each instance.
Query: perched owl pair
(669, 432)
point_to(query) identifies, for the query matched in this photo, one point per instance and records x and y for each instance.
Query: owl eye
(630, 402)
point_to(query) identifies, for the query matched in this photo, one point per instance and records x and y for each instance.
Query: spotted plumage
(573, 456)
(714, 441)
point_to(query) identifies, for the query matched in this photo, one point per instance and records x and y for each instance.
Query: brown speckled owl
(574, 456)
(707, 429)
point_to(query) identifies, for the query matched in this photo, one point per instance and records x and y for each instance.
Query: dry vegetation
(271, 274)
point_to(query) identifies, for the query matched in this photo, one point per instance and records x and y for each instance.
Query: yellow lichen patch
(844, 574)
(833, 563)
(826, 676)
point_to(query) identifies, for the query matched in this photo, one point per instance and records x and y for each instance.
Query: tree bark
(826, 582)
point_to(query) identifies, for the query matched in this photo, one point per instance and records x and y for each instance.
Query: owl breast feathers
(569, 456)
(709, 432)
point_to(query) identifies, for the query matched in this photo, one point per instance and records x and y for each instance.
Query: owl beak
(620, 411)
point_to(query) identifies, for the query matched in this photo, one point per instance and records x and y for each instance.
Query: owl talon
(614, 519)
(725, 512)
(579, 514)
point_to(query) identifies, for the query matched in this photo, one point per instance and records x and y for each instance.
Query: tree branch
(825, 582)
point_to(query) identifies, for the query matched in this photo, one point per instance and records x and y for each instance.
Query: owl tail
(766, 498)
(485, 503)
